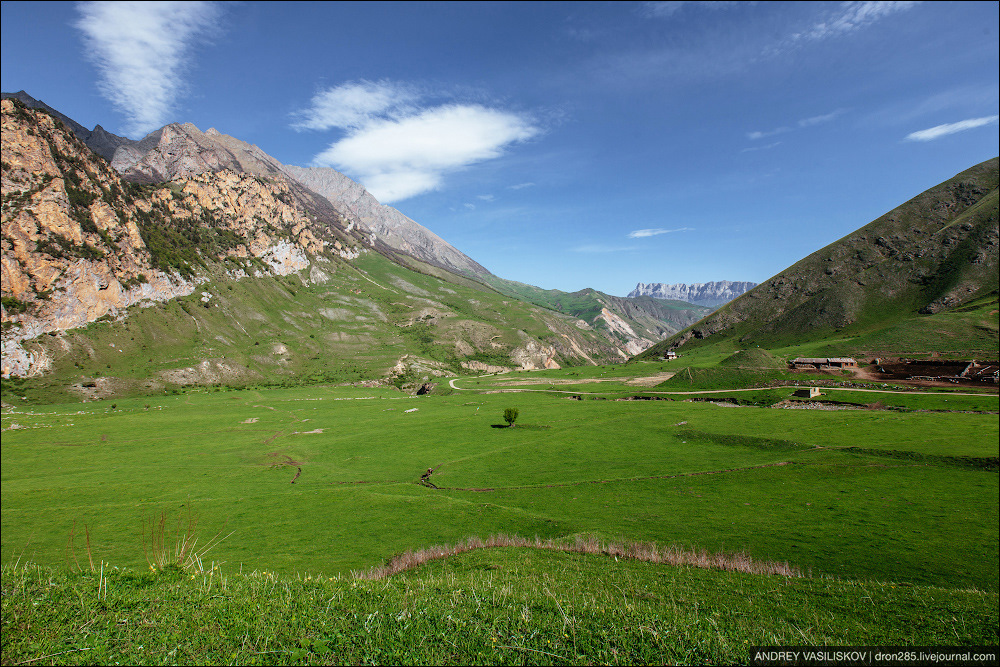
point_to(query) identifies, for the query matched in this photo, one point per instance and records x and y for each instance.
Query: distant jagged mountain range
(710, 295)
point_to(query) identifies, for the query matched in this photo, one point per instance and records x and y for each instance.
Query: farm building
(807, 392)
(805, 363)
(669, 354)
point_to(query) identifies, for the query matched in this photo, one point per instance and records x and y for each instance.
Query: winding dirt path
(508, 389)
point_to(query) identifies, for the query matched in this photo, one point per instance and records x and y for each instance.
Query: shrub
(510, 416)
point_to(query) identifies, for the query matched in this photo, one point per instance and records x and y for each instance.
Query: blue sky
(563, 145)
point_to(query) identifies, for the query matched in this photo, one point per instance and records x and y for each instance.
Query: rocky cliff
(79, 243)
(711, 295)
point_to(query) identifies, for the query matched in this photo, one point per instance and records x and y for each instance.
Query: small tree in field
(510, 416)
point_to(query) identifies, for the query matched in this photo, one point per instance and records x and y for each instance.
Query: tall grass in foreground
(506, 606)
(167, 543)
(587, 544)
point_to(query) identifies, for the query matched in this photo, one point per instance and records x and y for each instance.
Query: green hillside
(367, 320)
(648, 317)
(921, 278)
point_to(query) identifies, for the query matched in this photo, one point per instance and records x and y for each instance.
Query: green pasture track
(869, 495)
(495, 606)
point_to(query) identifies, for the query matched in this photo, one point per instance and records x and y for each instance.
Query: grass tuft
(174, 545)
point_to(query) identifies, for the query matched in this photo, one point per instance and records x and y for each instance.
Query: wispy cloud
(803, 123)
(486, 197)
(141, 50)
(850, 17)
(939, 131)
(520, 186)
(750, 149)
(668, 8)
(644, 233)
(768, 133)
(399, 148)
(743, 36)
(819, 120)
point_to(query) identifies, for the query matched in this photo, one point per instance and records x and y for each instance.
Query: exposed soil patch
(559, 381)
(651, 380)
(277, 460)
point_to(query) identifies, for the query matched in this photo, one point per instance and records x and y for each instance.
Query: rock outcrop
(99, 140)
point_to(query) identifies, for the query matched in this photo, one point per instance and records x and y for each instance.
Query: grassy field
(497, 606)
(868, 495)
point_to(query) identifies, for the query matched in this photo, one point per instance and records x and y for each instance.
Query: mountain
(711, 294)
(230, 272)
(635, 322)
(921, 277)
(182, 150)
(99, 140)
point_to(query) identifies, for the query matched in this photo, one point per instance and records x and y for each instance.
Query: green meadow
(325, 480)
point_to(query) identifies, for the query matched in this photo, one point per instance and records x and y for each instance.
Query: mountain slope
(228, 277)
(711, 295)
(930, 255)
(635, 322)
(182, 150)
(392, 227)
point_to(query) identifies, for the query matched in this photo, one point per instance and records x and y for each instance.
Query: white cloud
(141, 49)
(398, 149)
(469, 206)
(486, 197)
(354, 104)
(520, 186)
(937, 131)
(643, 233)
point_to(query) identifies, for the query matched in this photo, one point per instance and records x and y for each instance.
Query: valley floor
(890, 508)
